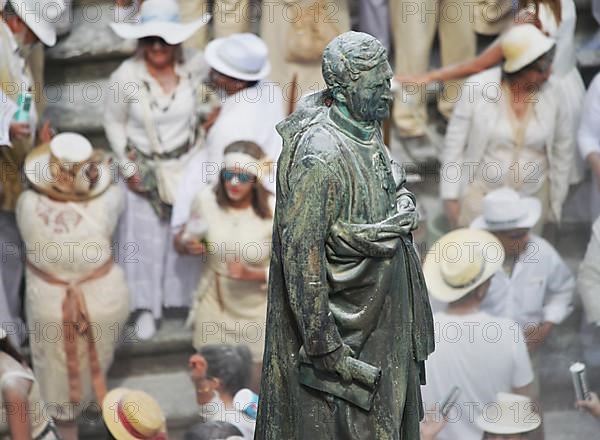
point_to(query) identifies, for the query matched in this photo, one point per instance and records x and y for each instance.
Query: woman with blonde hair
(231, 225)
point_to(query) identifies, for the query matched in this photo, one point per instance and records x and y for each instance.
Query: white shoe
(145, 326)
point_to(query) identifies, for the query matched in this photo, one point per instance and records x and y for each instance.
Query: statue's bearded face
(369, 98)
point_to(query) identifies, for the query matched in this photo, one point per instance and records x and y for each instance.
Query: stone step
(168, 350)
(90, 37)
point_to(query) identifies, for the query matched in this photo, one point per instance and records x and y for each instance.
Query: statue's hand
(335, 362)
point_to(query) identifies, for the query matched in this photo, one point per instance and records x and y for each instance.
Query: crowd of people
(186, 188)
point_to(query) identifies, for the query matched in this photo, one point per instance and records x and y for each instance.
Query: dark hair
(260, 195)
(213, 430)
(9, 11)
(554, 7)
(7, 347)
(231, 364)
(544, 58)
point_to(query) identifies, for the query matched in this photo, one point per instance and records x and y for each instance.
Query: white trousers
(156, 274)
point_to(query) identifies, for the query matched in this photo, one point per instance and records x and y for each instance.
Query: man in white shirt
(588, 287)
(588, 141)
(534, 287)
(250, 110)
(476, 352)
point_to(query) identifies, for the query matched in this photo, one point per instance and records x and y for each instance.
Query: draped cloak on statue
(343, 270)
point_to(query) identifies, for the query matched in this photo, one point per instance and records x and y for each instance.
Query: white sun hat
(522, 45)
(60, 169)
(241, 56)
(40, 17)
(511, 414)
(504, 209)
(160, 18)
(460, 261)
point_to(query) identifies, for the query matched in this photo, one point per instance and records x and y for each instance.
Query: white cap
(40, 17)
(522, 45)
(240, 56)
(504, 209)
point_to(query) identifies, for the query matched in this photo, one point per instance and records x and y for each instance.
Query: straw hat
(68, 169)
(40, 17)
(460, 261)
(133, 415)
(513, 414)
(522, 45)
(240, 56)
(504, 209)
(160, 18)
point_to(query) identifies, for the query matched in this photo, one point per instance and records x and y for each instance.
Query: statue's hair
(348, 55)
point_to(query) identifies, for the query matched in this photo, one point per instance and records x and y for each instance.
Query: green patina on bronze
(345, 279)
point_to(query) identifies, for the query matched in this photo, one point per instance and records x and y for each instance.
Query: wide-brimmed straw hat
(504, 209)
(68, 169)
(40, 17)
(133, 415)
(160, 18)
(512, 414)
(241, 56)
(460, 261)
(522, 45)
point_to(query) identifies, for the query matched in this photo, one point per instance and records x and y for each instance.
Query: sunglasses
(150, 41)
(242, 177)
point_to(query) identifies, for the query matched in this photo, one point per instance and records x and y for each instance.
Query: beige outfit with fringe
(63, 242)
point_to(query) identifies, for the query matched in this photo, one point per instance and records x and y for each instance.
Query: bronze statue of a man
(349, 323)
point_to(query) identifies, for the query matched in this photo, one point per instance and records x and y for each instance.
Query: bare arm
(15, 402)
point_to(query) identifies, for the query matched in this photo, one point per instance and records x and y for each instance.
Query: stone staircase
(77, 72)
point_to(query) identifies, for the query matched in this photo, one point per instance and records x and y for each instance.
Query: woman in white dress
(22, 410)
(557, 19)
(511, 130)
(77, 300)
(231, 225)
(151, 123)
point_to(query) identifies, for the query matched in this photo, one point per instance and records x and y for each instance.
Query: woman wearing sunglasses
(151, 118)
(231, 225)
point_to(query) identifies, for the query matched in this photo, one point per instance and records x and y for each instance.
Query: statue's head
(358, 74)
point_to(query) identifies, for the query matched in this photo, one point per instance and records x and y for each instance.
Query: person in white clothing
(534, 287)
(151, 124)
(511, 129)
(475, 351)
(250, 109)
(23, 24)
(588, 139)
(588, 287)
